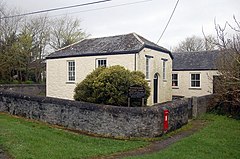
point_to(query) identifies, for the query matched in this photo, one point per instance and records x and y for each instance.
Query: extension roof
(120, 44)
(199, 60)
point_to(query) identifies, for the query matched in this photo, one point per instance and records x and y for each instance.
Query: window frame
(100, 59)
(175, 80)
(71, 71)
(195, 80)
(147, 69)
(164, 69)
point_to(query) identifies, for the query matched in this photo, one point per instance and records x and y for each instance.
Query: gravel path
(3, 155)
(159, 145)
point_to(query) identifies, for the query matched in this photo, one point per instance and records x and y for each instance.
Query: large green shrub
(110, 86)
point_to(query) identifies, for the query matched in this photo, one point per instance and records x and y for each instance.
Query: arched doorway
(155, 88)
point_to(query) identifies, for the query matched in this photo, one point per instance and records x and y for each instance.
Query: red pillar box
(165, 121)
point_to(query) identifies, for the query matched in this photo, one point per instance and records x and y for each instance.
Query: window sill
(164, 80)
(148, 80)
(174, 87)
(195, 88)
(70, 82)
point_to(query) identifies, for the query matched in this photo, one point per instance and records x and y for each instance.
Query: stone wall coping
(172, 104)
(21, 85)
(84, 105)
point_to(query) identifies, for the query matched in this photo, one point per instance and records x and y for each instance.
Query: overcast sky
(145, 17)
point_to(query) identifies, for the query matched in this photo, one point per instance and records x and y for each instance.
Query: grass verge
(24, 139)
(220, 139)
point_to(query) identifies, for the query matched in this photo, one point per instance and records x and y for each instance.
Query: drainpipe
(135, 63)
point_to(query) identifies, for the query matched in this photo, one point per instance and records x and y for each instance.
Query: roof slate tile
(199, 60)
(120, 44)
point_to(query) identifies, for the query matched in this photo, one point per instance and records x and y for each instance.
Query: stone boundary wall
(178, 113)
(105, 120)
(200, 105)
(31, 89)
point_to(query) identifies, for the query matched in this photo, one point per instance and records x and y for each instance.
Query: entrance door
(155, 88)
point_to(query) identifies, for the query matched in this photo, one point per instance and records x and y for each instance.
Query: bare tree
(24, 40)
(39, 30)
(66, 31)
(228, 86)
(210, 42)
(195, 43)
(190, 44)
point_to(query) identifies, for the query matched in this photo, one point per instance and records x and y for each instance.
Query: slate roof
(200, 60)
(120, 44)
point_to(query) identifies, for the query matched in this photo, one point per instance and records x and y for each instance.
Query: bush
(28, 82)
(4, 81)
(226, 108)
(110, 86)
(15, 82)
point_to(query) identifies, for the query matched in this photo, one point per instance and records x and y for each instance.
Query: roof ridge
(108, 36)
(201, 51)
(69, 45)
(138, 38)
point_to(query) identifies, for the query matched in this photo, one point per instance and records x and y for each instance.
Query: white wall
(57, 85)
(184, 81)
(164, 90)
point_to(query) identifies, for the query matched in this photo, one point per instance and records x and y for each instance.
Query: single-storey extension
(193, 73)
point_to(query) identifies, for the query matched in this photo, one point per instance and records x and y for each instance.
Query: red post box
(165, 121)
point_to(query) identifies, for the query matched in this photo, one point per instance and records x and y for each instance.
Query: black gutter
(199, 69)
(94, 54)
(113, 53)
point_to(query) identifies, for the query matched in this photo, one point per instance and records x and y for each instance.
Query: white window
(164, 69)
(71, 71)
(195, 80)
(174, 79)
(101, 63)
(147, 67)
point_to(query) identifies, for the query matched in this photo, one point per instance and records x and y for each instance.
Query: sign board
(136, 92)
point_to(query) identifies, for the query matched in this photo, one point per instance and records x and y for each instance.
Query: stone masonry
(105, 120)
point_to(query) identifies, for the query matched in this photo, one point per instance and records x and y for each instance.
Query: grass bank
(27, 139)
(220, 139)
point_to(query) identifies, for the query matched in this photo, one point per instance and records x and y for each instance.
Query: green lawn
(28, 140)
(25, 139)
(219, 140)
